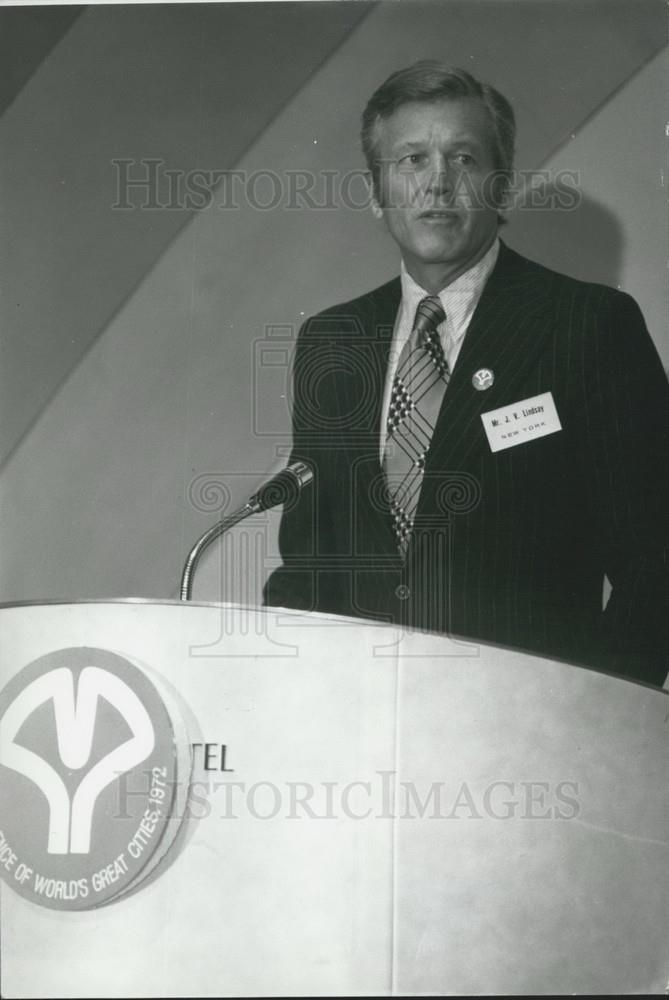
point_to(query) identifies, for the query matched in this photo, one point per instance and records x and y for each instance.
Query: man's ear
(377, 211)
(501, 191)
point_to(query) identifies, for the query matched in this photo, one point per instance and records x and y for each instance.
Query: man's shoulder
(386, 294)
(593, 312)
(553, 283)
(369, 311)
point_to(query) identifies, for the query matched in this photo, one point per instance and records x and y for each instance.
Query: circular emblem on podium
(94, 775)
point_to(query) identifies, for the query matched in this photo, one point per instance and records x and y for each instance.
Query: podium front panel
(371, 813)
(544, 865)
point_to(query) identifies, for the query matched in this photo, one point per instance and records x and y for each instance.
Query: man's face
(434, 186)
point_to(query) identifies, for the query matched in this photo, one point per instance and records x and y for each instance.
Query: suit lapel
(361, 348)
(368, 350)
(506, 335)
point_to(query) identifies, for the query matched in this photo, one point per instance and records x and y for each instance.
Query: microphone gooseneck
(282, 488)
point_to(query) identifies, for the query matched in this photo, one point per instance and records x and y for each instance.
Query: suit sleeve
(628, 435)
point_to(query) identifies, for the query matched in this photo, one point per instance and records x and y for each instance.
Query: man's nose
(440, 180)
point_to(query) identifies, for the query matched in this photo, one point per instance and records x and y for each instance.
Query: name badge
(520, 422)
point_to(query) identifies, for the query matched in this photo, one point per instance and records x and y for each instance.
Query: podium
(370, 812)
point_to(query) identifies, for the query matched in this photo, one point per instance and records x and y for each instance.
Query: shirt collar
(460, 298)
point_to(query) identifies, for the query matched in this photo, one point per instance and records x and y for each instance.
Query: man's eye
(413, 160)
(464, 159)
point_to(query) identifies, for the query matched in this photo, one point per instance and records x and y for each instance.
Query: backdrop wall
(177, 401)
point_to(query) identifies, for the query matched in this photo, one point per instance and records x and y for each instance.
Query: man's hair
(429, 81)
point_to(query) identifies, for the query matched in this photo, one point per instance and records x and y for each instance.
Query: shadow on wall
(585, 242)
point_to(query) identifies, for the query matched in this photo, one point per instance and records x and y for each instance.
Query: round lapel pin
(483, 379)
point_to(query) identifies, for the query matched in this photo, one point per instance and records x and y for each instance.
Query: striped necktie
(418, 390)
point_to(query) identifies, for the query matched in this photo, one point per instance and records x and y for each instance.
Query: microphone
(284, 487)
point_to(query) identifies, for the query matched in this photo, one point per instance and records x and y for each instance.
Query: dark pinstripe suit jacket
(509, 547)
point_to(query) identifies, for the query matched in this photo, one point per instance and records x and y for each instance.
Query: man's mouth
(439, 215)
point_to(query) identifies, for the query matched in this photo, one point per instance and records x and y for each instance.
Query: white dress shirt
(459, 300)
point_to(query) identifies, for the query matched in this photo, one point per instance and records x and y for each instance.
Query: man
(488, 437)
